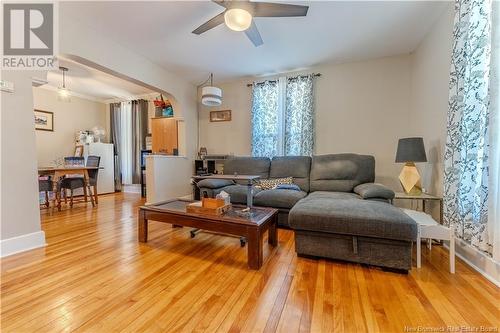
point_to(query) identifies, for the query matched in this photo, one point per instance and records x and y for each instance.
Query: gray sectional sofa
(339, 212)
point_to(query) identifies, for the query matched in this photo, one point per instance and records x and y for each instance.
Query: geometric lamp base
(410, 179)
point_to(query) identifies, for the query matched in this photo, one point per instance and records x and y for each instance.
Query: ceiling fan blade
(223, 3)
(268, 9)
(212, 23)
(254, 35)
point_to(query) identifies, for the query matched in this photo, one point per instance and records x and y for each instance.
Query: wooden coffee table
(251, 226)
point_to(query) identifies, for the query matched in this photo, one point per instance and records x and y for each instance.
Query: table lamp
(411, 150)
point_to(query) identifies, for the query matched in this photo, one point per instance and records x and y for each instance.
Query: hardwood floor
(95, 276)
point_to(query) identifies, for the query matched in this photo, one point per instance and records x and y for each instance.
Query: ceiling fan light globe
(211, 96)
(238, 19)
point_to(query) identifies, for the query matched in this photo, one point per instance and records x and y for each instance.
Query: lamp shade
(211, 96)
(411, 150)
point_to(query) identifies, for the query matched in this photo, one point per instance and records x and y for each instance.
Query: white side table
(429, 228)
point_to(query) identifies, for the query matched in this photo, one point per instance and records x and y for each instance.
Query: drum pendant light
(210, 95)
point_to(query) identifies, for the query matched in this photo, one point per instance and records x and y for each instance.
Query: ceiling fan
(238, 16)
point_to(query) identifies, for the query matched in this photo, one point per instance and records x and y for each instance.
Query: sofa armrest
(374, 191)
(214, 183)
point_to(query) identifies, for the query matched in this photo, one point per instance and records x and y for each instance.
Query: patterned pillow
(268, 184)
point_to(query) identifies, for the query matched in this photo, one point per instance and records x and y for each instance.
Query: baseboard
(479, 261)
(131, 188)
(184, 197)
(22, 243)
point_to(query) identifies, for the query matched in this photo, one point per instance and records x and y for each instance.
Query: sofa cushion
(278, 198)
(332, 195)
(256, 166)
(341, 172)
(238, 193)
(214, 183)
(298, 167)
(374, 191)
(349, 215)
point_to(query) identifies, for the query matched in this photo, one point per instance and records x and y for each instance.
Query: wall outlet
(6, 86)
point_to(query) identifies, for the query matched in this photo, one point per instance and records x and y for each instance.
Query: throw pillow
(293, 187)
(268, 184)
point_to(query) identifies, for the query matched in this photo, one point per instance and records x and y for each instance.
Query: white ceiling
(332, 32)
(90, 83)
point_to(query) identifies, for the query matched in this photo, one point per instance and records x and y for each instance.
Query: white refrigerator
(106, 176)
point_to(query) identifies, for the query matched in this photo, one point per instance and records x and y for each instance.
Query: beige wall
(19, 201)
(79, 114)
(429, 100)
(19, 191)
(361, 107)
(81, 43)
(231, 137)
(430, 72)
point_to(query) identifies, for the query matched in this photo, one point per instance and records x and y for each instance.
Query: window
(126, 142)
(283, 117)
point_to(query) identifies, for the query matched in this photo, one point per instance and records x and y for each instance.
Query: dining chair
(93, 161)
(45, 185)
(72, 161)
(73, 183)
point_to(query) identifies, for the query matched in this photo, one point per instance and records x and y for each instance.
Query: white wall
(163, 185)
(361, 107)
(20, 216)
(430, 72)
(79, 114)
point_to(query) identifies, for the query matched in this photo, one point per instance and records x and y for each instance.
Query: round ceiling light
(238, 19)
(211, 96)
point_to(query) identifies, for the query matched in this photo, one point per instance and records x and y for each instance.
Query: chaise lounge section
(339, 212)
(344, 226)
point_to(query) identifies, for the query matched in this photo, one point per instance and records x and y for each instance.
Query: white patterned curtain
(283, 117)
(494, 187)
(467, 144)
(265, 120)
(299, 116)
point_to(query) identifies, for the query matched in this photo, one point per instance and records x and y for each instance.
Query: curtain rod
(133, 100)
(314, 74)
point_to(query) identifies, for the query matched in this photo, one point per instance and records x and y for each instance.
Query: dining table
(59, 172)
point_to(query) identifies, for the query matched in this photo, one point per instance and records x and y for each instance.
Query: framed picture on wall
(44, 120)
(223, 115)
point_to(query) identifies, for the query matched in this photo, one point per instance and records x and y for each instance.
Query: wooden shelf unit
(164, 135)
